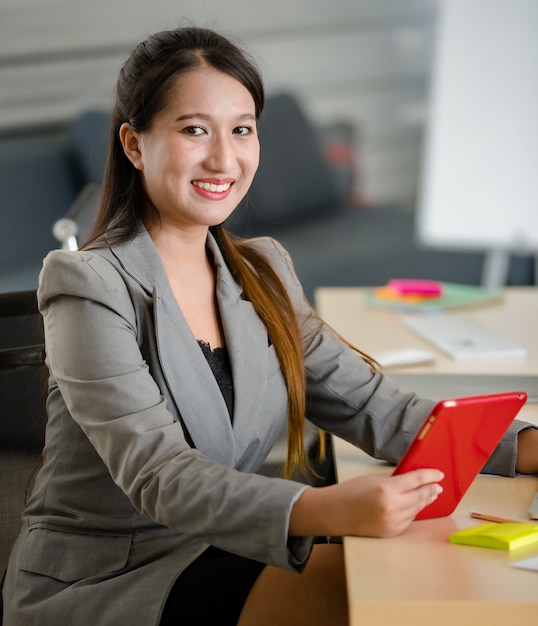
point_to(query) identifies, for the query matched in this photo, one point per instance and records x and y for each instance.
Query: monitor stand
(496, 268)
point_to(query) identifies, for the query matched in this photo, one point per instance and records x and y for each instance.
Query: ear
(130, 140)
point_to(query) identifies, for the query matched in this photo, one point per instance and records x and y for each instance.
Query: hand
(527, 451)
(384, 506)
(370, 506)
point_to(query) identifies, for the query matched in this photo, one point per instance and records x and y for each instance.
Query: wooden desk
(419, 578)
(376, 330)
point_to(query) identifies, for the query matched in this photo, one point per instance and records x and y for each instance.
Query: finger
(417, 478)
(430, 493)
(415, 500)
(405, 508)
(427, 495)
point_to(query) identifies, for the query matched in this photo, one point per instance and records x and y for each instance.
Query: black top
(219, 362)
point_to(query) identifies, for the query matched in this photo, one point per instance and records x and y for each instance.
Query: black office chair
(22, 408)
(294, 183)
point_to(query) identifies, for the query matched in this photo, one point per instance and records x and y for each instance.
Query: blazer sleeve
(94, 358)
(349, 400)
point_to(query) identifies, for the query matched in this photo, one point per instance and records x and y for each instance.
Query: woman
(176, 353)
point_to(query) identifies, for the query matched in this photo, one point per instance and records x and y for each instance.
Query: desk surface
(409, 579)
(419, 578)
(375, 330)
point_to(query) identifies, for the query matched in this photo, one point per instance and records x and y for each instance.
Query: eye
(243, 130)
(193, 130)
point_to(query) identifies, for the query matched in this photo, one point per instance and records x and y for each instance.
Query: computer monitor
(479, 176)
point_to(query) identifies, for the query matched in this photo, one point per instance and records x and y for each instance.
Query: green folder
(454, 296)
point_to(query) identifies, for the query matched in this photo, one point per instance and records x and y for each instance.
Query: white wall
(362, 61)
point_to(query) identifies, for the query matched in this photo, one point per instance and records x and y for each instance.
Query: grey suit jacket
(142, 465)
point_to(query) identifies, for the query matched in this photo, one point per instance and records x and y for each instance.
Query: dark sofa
(297, 196)
(42, 176)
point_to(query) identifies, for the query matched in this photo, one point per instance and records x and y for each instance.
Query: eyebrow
(203, 116)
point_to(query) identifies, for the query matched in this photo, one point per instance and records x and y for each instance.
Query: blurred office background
(361, 70)
(362, 62)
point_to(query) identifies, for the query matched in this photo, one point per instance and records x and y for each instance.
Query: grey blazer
(142, 467)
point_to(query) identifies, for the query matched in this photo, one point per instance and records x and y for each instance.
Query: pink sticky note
(405, 286)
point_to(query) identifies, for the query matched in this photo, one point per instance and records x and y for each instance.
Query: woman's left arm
(367, 408)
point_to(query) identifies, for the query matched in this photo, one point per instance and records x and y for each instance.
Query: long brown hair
(270, 299)
(141, 91)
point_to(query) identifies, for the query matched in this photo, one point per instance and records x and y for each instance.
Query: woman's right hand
(377, 505)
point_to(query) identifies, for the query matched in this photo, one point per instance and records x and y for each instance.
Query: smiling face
(201, 152)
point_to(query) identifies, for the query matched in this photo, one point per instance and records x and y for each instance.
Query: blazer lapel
(189, 378)
(191, 382)
(247, 343)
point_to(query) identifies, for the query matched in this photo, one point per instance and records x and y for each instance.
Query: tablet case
(457, 438)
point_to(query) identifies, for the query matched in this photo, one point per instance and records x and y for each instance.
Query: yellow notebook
(504, 536)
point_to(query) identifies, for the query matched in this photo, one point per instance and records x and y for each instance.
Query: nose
(221, 156)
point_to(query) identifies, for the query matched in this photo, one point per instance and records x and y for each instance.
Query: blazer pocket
(70, 557)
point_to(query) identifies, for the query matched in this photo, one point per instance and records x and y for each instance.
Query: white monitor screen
(479, 178)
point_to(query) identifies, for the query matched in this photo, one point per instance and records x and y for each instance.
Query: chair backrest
(22, 407)
(88, 140)
(73, 229)
(294, 181)
(88, 137)
(36, 188)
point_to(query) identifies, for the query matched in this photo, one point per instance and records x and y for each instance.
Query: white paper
(530, 564)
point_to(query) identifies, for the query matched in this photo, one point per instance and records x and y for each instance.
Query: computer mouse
(403, 357)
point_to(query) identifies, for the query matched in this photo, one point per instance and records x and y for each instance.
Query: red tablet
(458, 437)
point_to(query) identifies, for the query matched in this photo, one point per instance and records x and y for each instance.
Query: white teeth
(212, 186)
